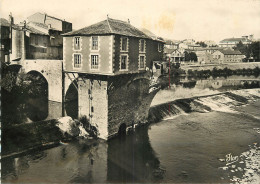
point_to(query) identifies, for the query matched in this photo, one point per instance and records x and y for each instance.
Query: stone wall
(93, 103)
(109, 102)
(128, 101)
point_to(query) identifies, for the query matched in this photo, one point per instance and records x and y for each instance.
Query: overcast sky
(175, 19)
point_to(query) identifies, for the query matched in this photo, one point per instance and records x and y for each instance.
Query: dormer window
(94, 43)
(124, 43)
(142, 45)
(77, 43)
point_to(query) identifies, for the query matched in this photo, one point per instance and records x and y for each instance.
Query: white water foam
(249, 94)
(251, 171)
(220, 103)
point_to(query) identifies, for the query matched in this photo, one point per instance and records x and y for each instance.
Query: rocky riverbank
(21, 138)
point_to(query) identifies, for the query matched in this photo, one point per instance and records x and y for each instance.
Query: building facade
(111, 57)
(232, 42)
(109, 53)
(228, 56)
(33, 40)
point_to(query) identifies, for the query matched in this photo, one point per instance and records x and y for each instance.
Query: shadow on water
(132, 159)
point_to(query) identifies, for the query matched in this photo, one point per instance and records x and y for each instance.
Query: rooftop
(108, 27)
(234, 40)
(34, 30)
(230, 52)
(4, 22)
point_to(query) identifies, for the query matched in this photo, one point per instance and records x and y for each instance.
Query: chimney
(128, 21)
(11, 19)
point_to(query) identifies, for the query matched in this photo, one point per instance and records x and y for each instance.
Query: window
(123, 62)
(141, 62)
(94, 43)
(77, 43)
(94, 62)
(159, 47)
(36, 40)
(142, 45)
(77, 61)
(124, 44)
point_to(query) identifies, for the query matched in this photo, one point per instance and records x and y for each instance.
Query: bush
(92, 130)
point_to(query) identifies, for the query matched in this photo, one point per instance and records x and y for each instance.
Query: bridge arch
(52, 72)
(71, 100)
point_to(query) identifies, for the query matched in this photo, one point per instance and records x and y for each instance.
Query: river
(213, 138)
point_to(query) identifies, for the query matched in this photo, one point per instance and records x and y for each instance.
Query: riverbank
(27, 137)
(231, 66)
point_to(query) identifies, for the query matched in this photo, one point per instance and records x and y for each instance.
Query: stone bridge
(51, 70)
(111, 103)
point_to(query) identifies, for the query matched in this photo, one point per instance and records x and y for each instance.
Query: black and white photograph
(130, 91)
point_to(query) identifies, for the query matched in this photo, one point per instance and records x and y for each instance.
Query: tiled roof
(230, 52)
(4, 22)
(168, 51)
(41, 25)
(234, 40)
(109, 26)
(34, 30)
(152, 35)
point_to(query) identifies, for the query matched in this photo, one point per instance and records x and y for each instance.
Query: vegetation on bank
(223, 72)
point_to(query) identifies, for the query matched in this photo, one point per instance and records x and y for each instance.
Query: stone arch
(71, 99)
(40, 80)
(51, 70)
(36, 112)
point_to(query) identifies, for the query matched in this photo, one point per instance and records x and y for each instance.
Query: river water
(213, 138)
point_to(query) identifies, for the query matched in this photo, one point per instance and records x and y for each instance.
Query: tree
(193, 56)
(187, 56)
(251, 50)
(202, 44)
(255, 50)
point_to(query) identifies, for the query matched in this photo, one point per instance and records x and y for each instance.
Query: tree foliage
(251, 50)
(190, 56)
(202, 44)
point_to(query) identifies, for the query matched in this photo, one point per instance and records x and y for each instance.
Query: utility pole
(169, 73)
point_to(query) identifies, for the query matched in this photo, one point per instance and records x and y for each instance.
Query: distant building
(232, 42)
(228, 56)
(35, 40)
(51, 22)
(45, 40)
(175, 55)
(204, 57)
(169, 44)
(210, 43)
(5, 41)
(110, 47)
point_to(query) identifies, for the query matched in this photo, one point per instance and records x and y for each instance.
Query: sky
(174, 19)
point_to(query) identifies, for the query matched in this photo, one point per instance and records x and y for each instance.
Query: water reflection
(126, 159)
(132, 159)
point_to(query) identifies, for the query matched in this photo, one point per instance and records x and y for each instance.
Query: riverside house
(228, 56)
(110, 47)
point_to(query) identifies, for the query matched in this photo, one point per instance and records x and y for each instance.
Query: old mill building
(110, 61)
